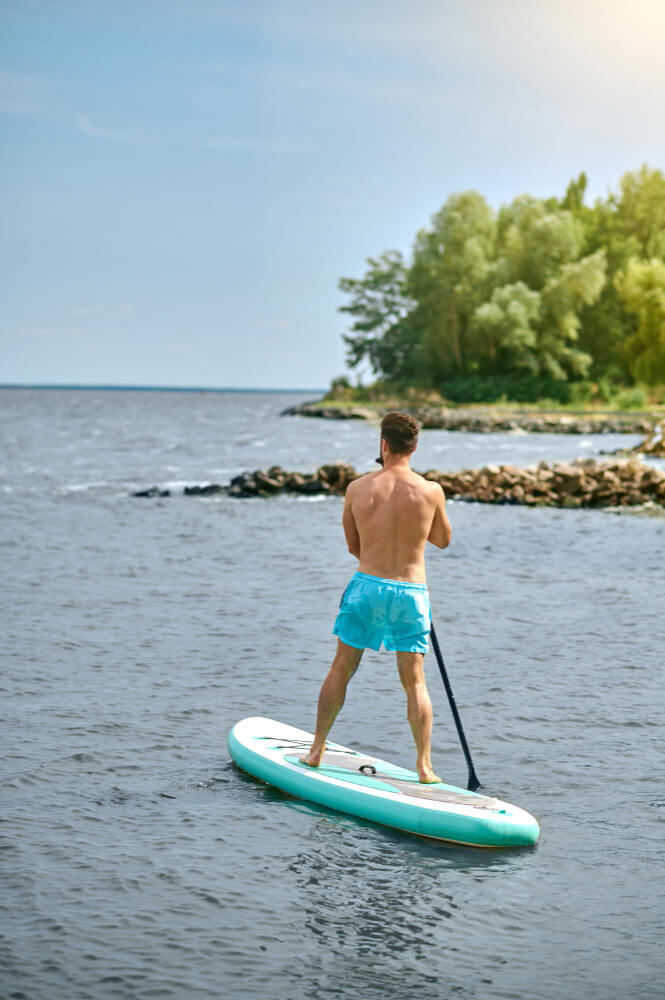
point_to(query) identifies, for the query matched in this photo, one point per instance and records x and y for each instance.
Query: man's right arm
(441, 531)
(350, 528)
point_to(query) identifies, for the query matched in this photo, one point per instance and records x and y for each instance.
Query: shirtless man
(389, 516)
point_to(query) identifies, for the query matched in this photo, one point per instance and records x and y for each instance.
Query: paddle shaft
(473, 780)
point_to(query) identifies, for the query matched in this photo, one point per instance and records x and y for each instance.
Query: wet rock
(208, 489)
(337, 476)
(152, 491)
(267, 483)
(313, 486)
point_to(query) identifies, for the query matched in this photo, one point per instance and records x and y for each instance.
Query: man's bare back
(390, 515)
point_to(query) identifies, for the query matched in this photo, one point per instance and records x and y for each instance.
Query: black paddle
(474, 784)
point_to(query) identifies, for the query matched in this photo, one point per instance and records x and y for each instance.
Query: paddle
(474, 784)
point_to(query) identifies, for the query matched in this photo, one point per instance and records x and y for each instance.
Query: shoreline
(488, 419)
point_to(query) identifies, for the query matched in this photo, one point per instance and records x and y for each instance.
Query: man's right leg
(331, 698)
(411, 668)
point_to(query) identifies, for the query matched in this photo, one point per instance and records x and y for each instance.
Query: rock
(209, 489)
(265, 483)
(312, 486)
(243, 486)
(152, 491)
(338, 476)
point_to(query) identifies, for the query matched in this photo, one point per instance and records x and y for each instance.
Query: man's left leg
(331, 698)
(419, 711)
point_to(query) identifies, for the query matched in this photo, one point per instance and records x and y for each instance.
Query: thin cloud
(52, 331)
(282, 144)
(85, 125)
(88, 312)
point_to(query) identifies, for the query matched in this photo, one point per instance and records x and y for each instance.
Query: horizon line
(138, 387)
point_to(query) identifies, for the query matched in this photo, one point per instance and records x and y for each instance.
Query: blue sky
(183, 182)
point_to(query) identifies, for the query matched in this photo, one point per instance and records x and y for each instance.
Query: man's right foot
(313, 759)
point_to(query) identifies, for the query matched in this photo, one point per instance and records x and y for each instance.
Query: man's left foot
(312, 759)
(428, 777)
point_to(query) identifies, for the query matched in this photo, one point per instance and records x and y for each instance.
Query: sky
(183, 182)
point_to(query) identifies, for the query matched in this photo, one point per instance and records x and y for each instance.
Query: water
(138, 862)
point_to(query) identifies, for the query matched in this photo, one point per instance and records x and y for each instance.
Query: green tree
(383, 330)
(573, 200)
(506, 328)
(642, 289)
(539, 247)
(450, 277)
(641, 212)
(628, 224)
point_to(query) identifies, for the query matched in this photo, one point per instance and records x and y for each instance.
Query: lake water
(138, 862)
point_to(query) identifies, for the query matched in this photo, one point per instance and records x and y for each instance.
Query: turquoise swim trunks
(374, 610)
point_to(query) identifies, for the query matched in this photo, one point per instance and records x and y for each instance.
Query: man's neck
(397, 462)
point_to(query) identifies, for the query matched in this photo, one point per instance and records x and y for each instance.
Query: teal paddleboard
(365, 786)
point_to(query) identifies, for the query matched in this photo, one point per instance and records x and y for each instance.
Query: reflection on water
(384, 912)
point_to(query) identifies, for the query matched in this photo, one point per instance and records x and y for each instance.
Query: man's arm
(441, 531)
(350, 528)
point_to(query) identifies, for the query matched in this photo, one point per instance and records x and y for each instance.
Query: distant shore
(488, 419)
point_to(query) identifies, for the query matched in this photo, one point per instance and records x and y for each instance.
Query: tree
(507, 329)
(625, 225)
(539, 247)
(383, 328)
(449, 278)
(641, 212)
(642, 288)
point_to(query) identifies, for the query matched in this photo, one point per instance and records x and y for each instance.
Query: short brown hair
(400, 432)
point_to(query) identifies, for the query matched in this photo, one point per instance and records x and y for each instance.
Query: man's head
(400, 433)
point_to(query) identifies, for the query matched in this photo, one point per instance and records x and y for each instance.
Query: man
(389, 516)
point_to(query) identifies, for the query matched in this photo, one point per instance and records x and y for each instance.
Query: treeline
(544, 298)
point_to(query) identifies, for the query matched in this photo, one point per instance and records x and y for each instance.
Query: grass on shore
(589, 400)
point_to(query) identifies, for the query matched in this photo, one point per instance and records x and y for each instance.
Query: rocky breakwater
(654, 445)
(488, 421)
(331, 479)
(582, 483)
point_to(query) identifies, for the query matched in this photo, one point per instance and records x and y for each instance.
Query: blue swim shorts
(374, 610)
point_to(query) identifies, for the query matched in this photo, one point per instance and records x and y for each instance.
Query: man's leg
(419, 710)
(331, 698)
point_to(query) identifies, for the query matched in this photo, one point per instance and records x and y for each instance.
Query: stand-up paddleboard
(365, 786)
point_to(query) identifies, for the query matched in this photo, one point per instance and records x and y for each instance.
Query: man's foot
(426, 776)
(313, 759)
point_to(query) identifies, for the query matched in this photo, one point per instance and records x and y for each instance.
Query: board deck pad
(366, 786)
(333, 763)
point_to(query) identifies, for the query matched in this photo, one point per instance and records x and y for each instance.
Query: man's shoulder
(429, 487)
(361, 483)
(417, 479)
